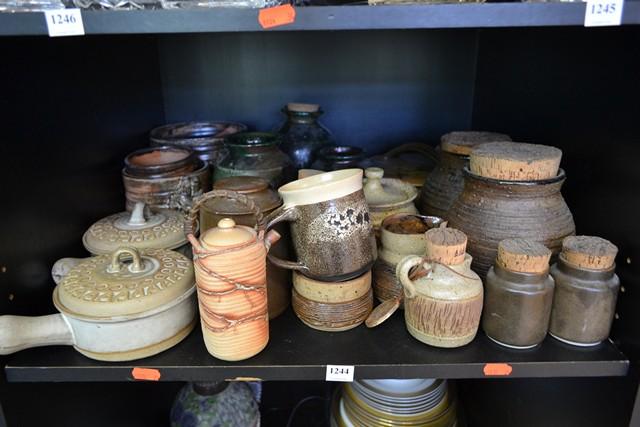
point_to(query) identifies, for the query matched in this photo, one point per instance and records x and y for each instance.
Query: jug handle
(282, 214)
(402, 273)
(20, 332)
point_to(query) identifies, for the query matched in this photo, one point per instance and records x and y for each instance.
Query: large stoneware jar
(444, 184)
(522, 201)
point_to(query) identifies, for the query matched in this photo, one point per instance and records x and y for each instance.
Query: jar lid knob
(226, 223)
(374, 173)
(137, 217)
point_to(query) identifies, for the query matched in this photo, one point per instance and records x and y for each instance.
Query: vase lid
(515, 161)
(386, 192)
(299, 107)
(462, 142)
(523, 256)
(591, 252)
(126, 282)
(257, 189)
(382, 312)
(227, 234)
(141, 229)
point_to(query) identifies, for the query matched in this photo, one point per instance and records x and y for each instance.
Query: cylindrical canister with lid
(206, 139)
(511, 190)
(443, 296)
(587, 288)
(164, 177)
(213, 209)
(444, 184)
(518, 294)
(230, 267)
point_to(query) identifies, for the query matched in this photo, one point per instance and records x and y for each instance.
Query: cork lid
(141, 229)
(300, 107)
(523, 255)
(124, 283)
(590, 252)
(462, 142)
(446, 245)
(227, 234)
(512, 161)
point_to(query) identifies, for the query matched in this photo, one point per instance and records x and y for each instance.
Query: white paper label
(602, 13)
(342, 373)
(64, 22)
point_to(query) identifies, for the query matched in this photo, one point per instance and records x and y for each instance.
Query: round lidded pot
(164, 178)
(586, 292)
(387, 196)
(254, 154)
(336, 157)
(267, 200)
(230, 266)
(513, 191)
(444, 184)
(206, 139)
(443, 297)
(518, 294)
(141, 228)
(400, 235)
(302, 134)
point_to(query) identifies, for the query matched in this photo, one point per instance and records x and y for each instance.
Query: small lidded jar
(586, 291)
(518, 294)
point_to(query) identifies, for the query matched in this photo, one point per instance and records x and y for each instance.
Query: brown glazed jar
(490, 210)
(518, 295)
(267, 200)
(444, 184)
(164, 178)
(585, 298)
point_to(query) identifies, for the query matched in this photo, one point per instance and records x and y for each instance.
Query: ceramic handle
(402, 273)
(62, 267)
(116, 265)
(20, 332)
(282, 214)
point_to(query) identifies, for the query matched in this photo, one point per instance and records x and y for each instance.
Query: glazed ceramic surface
(303, 135)
(164, 178)
(387, 196)
(330, 226)
(517, 307)
(254, 154)
(443, 307)
(206, 139)
(232, 406)
(338, 157)
(267, 200)
(584, 303)
(490, 210)
(105, 302)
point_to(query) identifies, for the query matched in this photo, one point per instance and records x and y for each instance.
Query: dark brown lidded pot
(267, 200)
(586, 291)
(518, 294)
(164, 177)
(206, 139)
(444, 184)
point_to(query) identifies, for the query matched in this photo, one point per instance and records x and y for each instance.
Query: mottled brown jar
(267, 200)
(164, 177)
(490, 210)
(585, 300)
(444, 184)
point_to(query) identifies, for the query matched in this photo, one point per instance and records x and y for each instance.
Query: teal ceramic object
(216, 404)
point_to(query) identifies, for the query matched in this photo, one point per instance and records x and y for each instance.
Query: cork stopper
(594, 253)
(463, 142)
(524, 256)
(511, 161)
(302, 108)
(446, 245)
